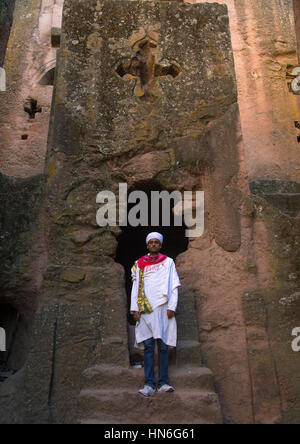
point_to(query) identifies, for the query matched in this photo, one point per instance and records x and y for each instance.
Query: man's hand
(136, 316)
(170, 314)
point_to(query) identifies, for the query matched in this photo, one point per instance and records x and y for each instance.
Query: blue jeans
(163, 363)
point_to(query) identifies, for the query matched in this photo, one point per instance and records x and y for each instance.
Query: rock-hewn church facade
(212, 109)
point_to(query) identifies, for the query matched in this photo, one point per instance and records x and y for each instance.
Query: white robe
(161, 284)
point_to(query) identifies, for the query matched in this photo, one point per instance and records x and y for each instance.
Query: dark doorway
(13, 358)
(132, 245)
(132, 241)
(48, 78)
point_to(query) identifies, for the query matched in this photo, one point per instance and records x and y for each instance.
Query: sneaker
(166, 388)
(147, 391)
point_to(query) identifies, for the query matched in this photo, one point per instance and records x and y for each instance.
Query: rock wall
(265, 52)
(279, 306)
(237, 316)
(22, 263)
(25, 106)
(247, 308)
(264, 44)
(20, 205)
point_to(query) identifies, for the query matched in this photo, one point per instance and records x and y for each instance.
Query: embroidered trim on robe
(143, 303)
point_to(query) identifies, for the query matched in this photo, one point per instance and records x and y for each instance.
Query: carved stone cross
(145, 67)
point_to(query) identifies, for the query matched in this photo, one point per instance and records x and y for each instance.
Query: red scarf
(144, 261)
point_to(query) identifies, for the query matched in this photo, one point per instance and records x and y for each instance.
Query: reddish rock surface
(240, 281)
(265, 50)
(29, 57)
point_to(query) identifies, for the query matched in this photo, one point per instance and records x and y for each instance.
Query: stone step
(193, 377)
(185, 377)
(115, 405)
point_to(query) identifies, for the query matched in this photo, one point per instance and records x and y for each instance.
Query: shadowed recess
(132, 241)
(12, 359)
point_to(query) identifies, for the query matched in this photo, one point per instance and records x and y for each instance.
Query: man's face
(154, 246)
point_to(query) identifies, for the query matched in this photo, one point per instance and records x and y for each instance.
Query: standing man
(154, 300)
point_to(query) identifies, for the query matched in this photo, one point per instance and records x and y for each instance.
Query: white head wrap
(155, 235)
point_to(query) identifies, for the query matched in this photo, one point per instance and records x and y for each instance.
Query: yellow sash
(144, 305)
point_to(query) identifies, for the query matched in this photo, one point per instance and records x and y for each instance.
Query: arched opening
(48, 78)
(14, 336)
(132, 245)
